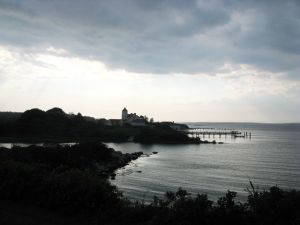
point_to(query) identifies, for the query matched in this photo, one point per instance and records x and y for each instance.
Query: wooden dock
(217, 132)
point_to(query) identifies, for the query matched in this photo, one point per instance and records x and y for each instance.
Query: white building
(132, 118)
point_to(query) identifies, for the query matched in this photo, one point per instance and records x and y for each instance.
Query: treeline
(93, 157)
(163, 135)
(269, 207)
(9, 117)
(55, 125)
(68, 179)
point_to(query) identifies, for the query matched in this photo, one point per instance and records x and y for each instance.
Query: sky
(174, 60)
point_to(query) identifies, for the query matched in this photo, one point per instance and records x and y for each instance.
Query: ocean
(271, 157)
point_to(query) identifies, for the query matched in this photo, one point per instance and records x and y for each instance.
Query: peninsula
(55, 125)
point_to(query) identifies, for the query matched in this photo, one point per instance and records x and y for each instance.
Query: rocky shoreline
(94, 156)
(108, 169)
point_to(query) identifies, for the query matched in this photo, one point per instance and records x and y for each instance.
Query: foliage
(56, 124)
(38, 125)
(66, 179)
(274, 206)
(9, 117)
(91, 156)
(68, 191)
(162, 134)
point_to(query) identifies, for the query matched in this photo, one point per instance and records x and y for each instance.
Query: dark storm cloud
(160, 36)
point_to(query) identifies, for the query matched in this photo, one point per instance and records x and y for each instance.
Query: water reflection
(271, 157)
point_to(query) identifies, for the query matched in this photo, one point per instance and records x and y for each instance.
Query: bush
(69, 191)
(64, 179)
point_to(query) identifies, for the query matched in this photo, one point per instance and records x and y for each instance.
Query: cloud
(160, 36)
(54, 78)
(244, 80)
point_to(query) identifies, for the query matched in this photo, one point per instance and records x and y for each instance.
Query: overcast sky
(172, 60)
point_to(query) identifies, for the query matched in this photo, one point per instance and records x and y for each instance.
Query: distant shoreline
(262, 123)
(78, 140)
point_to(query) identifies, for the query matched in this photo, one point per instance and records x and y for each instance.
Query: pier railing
(217, 132)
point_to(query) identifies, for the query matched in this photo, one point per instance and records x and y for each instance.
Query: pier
(218, 132)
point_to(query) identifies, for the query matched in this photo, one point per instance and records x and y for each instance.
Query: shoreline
(104, 169)
(54, 140)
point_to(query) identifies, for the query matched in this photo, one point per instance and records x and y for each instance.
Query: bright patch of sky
(236, 93)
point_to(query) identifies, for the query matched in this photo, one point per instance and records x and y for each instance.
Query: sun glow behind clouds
(56, 78)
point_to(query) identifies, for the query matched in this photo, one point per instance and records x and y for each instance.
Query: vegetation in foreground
(69, 181)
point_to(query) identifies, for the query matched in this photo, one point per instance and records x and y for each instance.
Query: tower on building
(124, 114)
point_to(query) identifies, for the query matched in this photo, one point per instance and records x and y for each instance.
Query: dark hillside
(55, 125)
(6, 117)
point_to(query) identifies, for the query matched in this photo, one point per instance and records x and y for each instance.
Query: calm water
(270, 157)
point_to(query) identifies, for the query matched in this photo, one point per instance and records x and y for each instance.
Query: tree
(146, 119)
